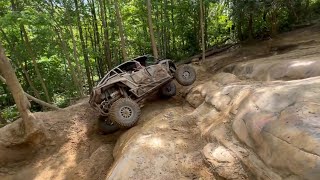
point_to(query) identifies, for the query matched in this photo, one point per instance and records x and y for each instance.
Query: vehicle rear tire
(107, 126)
(169, 89)
(125, 112)
(185, 75)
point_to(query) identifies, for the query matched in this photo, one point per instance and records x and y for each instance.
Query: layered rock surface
(253, 113)
(256, 119)
(273, 128)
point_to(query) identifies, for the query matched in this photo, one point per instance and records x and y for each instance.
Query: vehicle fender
(168, 63)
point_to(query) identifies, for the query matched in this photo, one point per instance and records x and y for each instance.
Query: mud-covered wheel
(106, 126)
(124, 112)
(169, 89)
(185, 75)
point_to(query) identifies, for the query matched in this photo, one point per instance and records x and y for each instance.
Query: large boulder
(160, 147)
(271, 127)
(281, 123)
(225, 163)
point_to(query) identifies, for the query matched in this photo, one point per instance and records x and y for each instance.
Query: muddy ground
(253, 113)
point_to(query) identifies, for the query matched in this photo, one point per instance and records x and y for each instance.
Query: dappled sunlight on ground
(297, 63)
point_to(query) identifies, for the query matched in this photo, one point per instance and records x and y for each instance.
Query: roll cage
(128, 66)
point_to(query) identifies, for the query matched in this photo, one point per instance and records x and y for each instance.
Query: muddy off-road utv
(122, 91)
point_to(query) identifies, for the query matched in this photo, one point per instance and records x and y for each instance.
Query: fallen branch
(3, 79)
(209, 52)
(42, 103)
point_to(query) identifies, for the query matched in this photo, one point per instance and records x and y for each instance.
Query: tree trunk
(274, 24)
(24, 71)
(67, 56)
(96, 41)
(12, 81)
(196, 29)
(32, 128)
(121, 31)
(158, 30)
(106, 43)
(153, 41)
(86, 44)
(28, 79)
(202, 31)
(32, 132)
(239, 27)
(307, 11)
(164, 28)
(97, 61)
(166, 32)
(84, 48)
(2, 120)
(250, 26)
(34, 62)
(78, 71)
(76, 58)
(292, 10)
(173, 27)
(206, 12)
(163, 32)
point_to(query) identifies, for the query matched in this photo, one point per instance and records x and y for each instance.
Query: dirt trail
(223, 127)
(77, 151)
(73, 140)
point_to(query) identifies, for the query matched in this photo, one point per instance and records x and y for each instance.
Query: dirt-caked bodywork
(129, 84)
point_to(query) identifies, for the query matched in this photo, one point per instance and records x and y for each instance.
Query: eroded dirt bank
(252, 114)
(71, 150)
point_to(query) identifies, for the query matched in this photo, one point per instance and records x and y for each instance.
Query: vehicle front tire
(107, 126)
(125, 112)
(185, 75)
(169, 89)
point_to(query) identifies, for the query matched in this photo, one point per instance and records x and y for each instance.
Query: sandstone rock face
(225, 163)
(270, 70)
(281, 124)
(161, 148)
(278, 121)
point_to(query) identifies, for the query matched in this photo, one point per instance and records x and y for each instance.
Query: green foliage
(54, 38)
(254, 18)
(61, 100)
(219, 23)
(10, 113)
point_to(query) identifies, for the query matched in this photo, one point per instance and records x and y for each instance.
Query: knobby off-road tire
(169, 89)
(185, 75)
(125, 112)
(107, 126)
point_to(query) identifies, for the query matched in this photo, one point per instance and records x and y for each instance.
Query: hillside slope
(253, 113)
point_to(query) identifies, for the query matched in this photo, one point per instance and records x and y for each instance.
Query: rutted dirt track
(253, 113)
